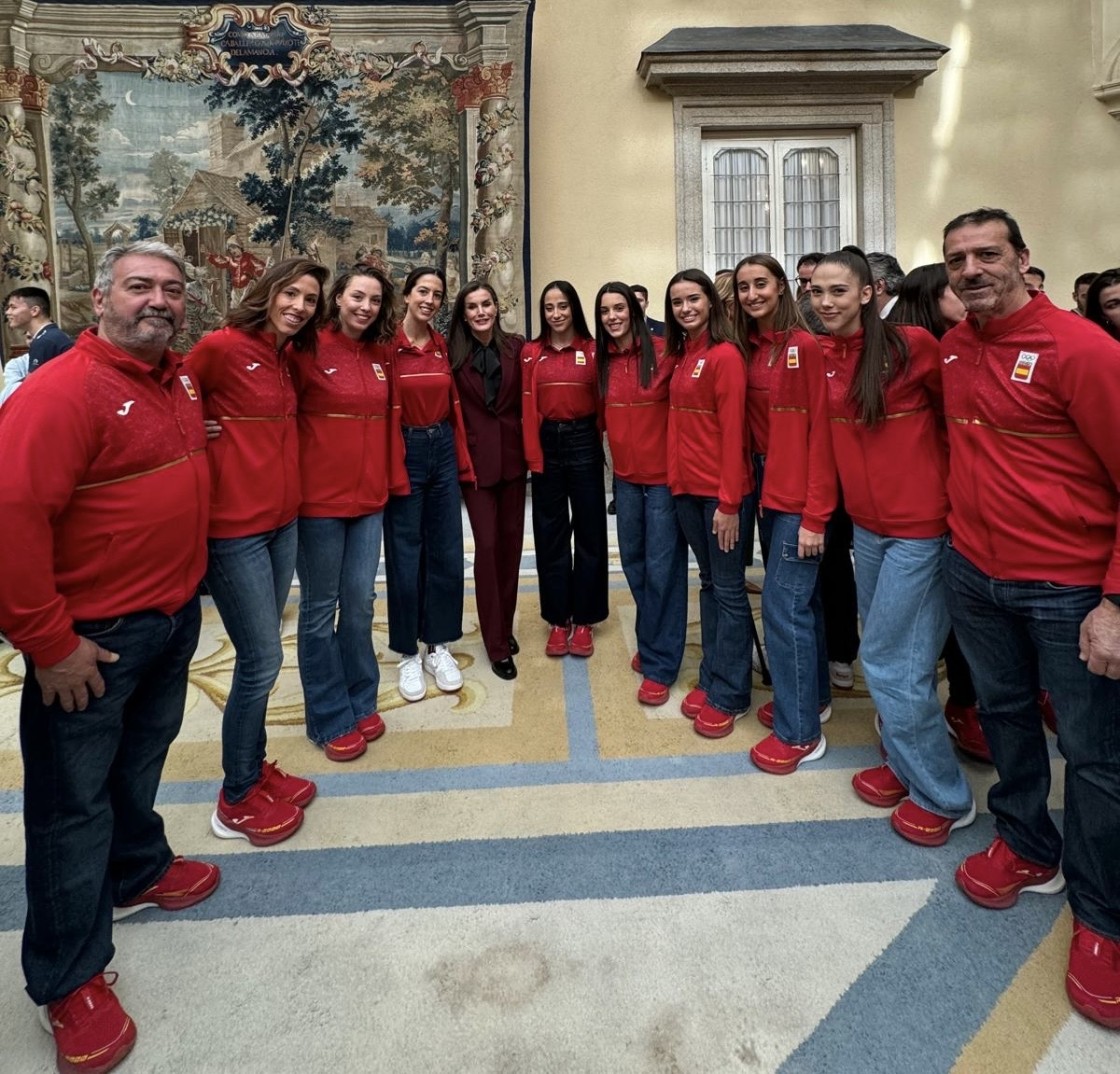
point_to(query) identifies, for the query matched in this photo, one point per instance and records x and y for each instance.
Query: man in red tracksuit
(105, 500)
(1032, 395)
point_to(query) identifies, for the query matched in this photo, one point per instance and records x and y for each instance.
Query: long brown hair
(252, 314)
(382, 328)
(787, 316)
(884, 355)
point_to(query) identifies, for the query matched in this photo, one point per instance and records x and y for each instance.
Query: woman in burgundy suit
(487, 367)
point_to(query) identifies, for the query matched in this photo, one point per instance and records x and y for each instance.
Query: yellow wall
(1008, 119)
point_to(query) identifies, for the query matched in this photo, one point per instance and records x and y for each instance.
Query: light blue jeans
(901, 593)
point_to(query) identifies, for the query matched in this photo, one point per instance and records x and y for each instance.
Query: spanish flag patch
(1024, 367)
(792, 360)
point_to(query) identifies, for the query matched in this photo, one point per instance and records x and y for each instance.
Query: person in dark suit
(641, 293)
(486, 363)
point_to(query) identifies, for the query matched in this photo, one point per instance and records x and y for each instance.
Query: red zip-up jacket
(254, 462)
(709, 443)
(759, 373)
(351, 455)
(104, 493)
(556, 385)
(1032, 403)
(637, 418)
(893, 475)
(426, 390)
(800, 468)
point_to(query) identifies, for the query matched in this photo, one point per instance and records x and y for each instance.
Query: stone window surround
(725, 91)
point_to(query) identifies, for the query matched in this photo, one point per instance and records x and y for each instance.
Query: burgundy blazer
(496, 447)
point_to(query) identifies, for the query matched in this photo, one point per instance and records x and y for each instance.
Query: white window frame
(776, 146)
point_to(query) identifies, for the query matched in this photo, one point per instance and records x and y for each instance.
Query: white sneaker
(410, 678)
(841, 675)
(441, 665)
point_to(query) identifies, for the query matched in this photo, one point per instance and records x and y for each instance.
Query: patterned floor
(543, 876)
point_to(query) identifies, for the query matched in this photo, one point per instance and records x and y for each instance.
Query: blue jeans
(249, 579)
(90, 781)
(655, 561)
(901, 593)
(764, 520)
(337, 562)
(1012, 633)
(424, 544)
(725, 611)
(793, 623)
(569, 501)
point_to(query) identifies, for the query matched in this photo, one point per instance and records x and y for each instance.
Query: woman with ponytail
(884, 397)
(787, 410)
(634, 385)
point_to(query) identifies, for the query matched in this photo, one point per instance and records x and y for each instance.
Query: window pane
(811, 198)
(741, 208)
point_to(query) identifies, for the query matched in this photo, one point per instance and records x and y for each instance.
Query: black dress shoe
(504, 669)
(514, 648)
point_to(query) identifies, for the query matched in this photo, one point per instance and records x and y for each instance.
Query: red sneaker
(258, 817)
(557, 644)
(712, 723)
(1093, 980)
(1046, 707)
(652, 693)
(781, 759)
(765, 714)
(879, 786)
(636, 663)
(927, 829)
(996, 877)
(964, 726)
(372, 726)
(693, 702)
(582, 642)
(92, 1032)
(284, 787)
(346, 747)
(183, 884)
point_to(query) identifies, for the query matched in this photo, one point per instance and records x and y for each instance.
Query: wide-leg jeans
(725, 628)
(654, 558)
(901, 593)
(424, 544)
(337, 564)
(569, 501)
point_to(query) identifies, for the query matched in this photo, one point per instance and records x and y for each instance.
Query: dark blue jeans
(249, 579)
(764, 520)
(337, 562)
(655, 561)
(569, 499)
(725, 629)
(1012, 633)
(424, 544)
(793, 621)
(90, 780)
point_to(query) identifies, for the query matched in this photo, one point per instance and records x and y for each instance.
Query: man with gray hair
(887, 275)
(105, 490)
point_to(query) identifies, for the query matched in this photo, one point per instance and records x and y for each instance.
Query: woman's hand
(213, 428)
(809, 543)
(726, 530)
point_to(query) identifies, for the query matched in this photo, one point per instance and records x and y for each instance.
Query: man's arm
(15, 373)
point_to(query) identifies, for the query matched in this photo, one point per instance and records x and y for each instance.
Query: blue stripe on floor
(584, 767)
